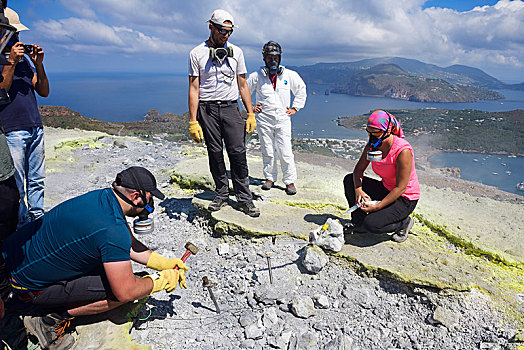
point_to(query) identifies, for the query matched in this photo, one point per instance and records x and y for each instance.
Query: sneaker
(402, 234)
(249, 209)
(291, 189)
(267, 185)
(217, 204)
(52, 336)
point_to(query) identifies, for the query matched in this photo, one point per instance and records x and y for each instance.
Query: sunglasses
(223, 31)
(374, 133)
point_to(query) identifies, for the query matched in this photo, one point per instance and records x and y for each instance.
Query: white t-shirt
(217, 82)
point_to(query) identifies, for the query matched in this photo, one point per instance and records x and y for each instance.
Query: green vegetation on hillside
(171, 126)
(468, 130)
(389, 80)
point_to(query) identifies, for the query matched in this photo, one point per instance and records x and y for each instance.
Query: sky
(157, 35)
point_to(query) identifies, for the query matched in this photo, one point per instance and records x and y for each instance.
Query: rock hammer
(190, 249)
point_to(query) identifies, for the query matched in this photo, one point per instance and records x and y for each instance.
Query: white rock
(247, 318)
(330, 238)
(302, 306)
(268, 295)
(270, 317)
(307, 341)
(223, 249)
(314, 259)
(282, 341)
(248, 344)
(321, 301)
(253, 332)
(444, 317)
(342, 342)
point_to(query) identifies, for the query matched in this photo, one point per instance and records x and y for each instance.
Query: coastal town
(340, 148)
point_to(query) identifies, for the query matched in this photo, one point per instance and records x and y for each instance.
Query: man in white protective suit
(274, 84)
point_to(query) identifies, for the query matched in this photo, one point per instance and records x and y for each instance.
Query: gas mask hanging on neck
(220, 54)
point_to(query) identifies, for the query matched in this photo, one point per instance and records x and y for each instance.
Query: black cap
(138, 178)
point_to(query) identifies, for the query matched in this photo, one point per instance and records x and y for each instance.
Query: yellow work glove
(251, 123)
(182, 278)
(159, 262)
(167, 279)
(195, 131)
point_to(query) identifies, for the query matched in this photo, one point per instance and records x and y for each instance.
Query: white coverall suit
(273, 124)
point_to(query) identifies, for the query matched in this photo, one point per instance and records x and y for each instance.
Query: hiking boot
(217, 204)
(249, 209)
(402, 234)
(51, 331)
(267, 185)
(291, 189)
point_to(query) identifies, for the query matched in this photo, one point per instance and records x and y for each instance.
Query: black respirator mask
(374, 155)
(148, 209)
(375, 142)
(148, 206)
(272, 67)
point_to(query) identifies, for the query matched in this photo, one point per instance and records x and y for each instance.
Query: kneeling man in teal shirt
(76, 259)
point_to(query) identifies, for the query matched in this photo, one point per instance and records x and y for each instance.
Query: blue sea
(120, 97)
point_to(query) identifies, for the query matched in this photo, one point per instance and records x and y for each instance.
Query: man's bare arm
(193, 97)
(243, 88)
(125, 286)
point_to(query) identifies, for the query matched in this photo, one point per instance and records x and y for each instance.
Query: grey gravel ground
(337, 308)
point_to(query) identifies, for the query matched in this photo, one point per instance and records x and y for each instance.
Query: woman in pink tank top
(398, 192)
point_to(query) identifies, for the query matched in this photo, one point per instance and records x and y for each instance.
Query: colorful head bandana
(379, 119)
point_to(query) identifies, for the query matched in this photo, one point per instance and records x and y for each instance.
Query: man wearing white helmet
(217, 73)
(274, 84)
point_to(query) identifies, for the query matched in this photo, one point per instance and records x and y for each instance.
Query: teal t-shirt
(71, 240)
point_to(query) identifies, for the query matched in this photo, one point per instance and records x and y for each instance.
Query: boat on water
(520, 186)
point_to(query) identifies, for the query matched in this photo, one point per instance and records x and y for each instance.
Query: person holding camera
(21, 119)
(217, 73)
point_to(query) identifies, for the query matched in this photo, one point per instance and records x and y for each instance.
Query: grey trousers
(222, 123)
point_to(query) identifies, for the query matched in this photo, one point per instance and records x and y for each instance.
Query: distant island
(458, 80)
(461, 130)
(389, 80)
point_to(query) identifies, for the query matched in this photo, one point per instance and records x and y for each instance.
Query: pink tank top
(386, 169)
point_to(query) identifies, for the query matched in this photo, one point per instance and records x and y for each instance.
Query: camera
(28, 49)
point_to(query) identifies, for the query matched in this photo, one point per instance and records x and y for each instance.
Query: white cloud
(309, 30)
(79, 8)
(84, 35)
